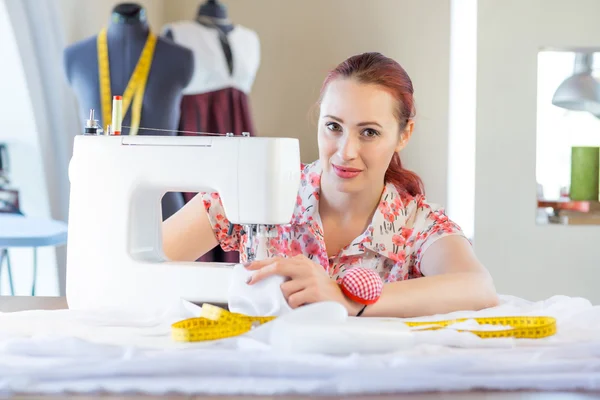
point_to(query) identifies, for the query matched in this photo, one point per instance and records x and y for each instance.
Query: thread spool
(585, 173)
(117, 114)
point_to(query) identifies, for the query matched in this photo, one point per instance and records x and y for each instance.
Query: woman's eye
(370, 133)
(332, 126)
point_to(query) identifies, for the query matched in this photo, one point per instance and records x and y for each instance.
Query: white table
(23, 231)
(24, 303)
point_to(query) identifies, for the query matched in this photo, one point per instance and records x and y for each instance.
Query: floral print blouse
(402, 228)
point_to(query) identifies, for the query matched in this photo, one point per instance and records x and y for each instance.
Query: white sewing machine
(114, 254)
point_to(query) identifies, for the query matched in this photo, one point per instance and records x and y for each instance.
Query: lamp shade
(581, 91)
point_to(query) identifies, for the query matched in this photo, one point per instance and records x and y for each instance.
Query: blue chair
(18, 230)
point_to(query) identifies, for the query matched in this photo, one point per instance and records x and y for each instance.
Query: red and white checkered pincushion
(362, 285)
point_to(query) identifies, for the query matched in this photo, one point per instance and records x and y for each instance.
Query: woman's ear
(405, 135)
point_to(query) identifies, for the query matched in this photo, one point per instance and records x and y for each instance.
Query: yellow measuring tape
(218, 323)
(136, 85)
(215, 323)
(520, 327)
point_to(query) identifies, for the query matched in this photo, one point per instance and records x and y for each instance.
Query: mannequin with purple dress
(226, 59)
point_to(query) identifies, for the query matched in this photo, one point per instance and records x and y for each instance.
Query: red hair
(374, 68)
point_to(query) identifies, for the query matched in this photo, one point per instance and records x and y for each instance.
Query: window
(559, 129)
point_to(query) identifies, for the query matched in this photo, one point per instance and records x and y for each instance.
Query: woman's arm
(454, 280)
(188, 234)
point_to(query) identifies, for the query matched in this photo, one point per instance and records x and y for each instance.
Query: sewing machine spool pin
(92, 127)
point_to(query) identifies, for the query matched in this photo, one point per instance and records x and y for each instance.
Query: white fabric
(210, 64)
(58, 351)
(262, 298)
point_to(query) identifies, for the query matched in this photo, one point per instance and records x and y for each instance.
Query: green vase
(585, 176)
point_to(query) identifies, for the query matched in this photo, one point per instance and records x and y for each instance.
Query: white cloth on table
(64, 350)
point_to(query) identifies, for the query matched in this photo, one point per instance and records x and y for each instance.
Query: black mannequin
(213, 14)
(171, 71)
(129, 13)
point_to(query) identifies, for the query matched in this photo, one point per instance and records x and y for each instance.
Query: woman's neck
(349, 206)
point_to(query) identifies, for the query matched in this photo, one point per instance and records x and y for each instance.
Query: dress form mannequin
(171, 71)
(214, 12)
(227, 57)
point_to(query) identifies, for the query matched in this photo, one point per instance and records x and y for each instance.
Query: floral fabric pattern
(402, 228)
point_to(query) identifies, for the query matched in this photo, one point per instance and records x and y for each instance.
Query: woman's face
(358, 135)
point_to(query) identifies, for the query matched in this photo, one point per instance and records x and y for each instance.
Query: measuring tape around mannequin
(135, 87)
(218, 323)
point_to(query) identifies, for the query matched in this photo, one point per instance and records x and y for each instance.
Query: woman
(356, 206)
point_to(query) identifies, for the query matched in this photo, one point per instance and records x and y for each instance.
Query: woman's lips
(346, 172)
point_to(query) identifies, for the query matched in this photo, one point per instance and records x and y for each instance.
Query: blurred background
(507, 129)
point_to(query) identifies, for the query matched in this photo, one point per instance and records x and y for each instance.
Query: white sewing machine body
(114, 254)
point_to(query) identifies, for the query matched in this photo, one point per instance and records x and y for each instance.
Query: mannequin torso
(213, 14)
(171, 71)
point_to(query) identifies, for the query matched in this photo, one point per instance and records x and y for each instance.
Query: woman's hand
(308, 281)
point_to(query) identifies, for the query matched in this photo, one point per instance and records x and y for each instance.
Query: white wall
(462, 114)
(526, 260)
(302, 39)
(20, 132)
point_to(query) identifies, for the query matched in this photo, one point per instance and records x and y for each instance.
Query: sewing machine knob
(229, 134)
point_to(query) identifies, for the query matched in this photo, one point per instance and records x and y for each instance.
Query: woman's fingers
(282, 267)
(292, 286)
(287, 267)
(256, 265)
(300, 298)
